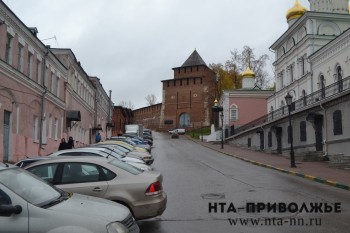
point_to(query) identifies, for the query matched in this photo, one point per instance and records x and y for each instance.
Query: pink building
(45, 94)
(241, 106)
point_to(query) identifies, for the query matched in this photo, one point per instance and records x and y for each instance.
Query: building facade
(241, 106)
(45, 94)
(312, 64)
(189, 96)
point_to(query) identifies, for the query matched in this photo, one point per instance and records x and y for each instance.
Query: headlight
(116, 227)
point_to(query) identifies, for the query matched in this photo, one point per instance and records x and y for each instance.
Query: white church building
(312, 64)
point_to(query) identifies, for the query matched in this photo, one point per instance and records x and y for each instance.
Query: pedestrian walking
(63, 145)
(70, 143)
(98, 137)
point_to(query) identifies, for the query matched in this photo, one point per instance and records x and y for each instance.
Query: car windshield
(29, 187)
(126, 167)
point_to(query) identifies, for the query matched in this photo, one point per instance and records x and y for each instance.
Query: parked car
(102, 152)
(28, 204)
(133, 142)
(178, 131)
(147, 157)
(25, 162)
(174, 135)
(110, 178)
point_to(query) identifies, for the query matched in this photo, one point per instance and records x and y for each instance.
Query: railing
(327, 92)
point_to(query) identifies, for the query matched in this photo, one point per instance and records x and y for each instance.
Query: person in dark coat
(63, 145)
(70, 143)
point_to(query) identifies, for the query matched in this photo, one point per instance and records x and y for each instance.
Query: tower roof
(194, 60)
(248, 73)
(296, 11)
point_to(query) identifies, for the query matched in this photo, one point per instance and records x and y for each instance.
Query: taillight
(154, 189)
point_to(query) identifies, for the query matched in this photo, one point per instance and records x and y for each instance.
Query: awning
(73, 115)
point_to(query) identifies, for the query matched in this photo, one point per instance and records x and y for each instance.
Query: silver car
(109, 178)
(28, 204)
(102, 152)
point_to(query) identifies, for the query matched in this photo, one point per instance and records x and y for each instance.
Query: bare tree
(151, 99)
(127, 104)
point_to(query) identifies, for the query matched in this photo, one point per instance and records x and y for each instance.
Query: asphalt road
(211, 192)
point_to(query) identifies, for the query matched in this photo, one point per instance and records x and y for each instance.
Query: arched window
(337, 123)
(339, 79)
(233, 112)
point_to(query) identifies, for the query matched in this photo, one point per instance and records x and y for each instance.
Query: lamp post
(288, 99)
(217, 108)
(222, 129)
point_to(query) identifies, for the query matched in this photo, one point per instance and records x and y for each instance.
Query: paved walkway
(317, 171)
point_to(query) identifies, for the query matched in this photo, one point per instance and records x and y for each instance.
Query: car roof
(4, 166)
(75, 159)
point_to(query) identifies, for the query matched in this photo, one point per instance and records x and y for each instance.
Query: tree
(127, 104)
(151, 99)
(230, 73)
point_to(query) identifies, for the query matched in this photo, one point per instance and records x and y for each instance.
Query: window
(339, 79)
(20, 58)
(303, 131)
(58, 87)
(35, 129)
(233, 113)
(38, 71)
(323, 87)
(84, 172)
(337, 123)
(304, 97)
(30, 65)
(45, 171)
(8, 53)
(52, 82)
(50, 126)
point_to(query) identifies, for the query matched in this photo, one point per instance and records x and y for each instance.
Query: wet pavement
(317, 171)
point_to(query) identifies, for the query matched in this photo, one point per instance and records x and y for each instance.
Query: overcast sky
(132, 45)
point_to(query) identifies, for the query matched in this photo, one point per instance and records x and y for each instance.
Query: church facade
(312, 65)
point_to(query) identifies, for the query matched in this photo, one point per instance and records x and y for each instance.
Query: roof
(194, 60)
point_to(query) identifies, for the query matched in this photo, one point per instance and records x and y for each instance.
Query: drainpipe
(42, 110)
(325, 141)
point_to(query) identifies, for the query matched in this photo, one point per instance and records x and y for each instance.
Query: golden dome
(296, 11)
(248, 73)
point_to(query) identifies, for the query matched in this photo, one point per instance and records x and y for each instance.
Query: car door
(14, 223)
(83, 178)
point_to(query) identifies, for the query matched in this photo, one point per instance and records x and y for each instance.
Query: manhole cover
(213, 196)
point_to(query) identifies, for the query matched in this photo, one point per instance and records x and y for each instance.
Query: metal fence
(305, 101)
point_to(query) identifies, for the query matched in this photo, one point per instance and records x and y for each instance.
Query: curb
(299, 174)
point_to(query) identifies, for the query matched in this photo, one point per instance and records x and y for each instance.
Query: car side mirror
(8, 210)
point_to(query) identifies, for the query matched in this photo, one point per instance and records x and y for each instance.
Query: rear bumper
(151, 207)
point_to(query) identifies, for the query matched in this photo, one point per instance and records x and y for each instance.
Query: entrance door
(6, 142)
(318, 133)
(184, 120)
(279, 139)
(261, 140)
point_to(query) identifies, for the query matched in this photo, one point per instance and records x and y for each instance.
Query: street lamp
(217, 108)
(288, 99)
(222, 129)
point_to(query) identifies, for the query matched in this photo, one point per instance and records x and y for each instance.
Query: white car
(28, 204)
(103, 152)
(177, 131)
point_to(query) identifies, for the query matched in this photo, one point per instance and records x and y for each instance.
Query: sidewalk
(316, 171)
